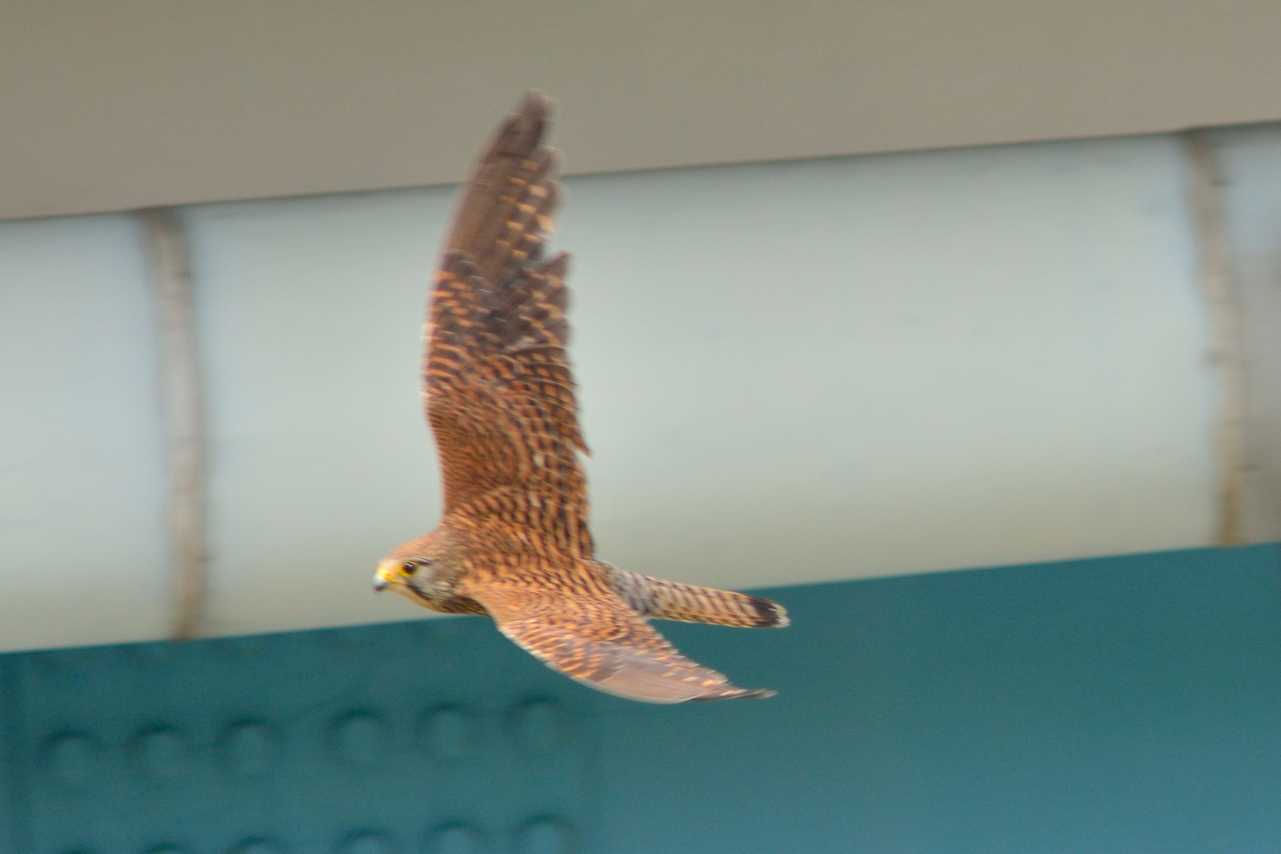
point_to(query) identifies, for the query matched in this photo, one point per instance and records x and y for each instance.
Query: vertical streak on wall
(167, 259)
(1205, 196)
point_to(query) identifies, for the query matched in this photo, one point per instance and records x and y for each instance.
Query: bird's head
(421, 569)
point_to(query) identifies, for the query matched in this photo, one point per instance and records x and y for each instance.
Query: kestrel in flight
(514, 541)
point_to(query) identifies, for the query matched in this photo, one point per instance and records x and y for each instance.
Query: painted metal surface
(931, 361)
(1114, 705)
(82, 555)
(791, 373)
(1250, 161)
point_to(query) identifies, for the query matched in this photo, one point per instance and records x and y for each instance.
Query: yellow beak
(388, 572)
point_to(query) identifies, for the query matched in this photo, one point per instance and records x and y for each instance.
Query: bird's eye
(408, 567)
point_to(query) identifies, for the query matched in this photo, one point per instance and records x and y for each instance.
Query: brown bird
(514, 541)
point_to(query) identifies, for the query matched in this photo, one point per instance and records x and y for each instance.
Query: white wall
(81, 480)
(790, 373)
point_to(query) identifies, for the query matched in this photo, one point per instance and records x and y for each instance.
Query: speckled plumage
(514, 541)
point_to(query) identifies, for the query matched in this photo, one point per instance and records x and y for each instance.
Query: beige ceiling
(143, 102)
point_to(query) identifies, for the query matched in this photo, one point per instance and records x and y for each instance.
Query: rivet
(547, 835)
(368, 842)
(455, 838)
(538, 726)
(161, 751)
(360, 738)
(72, 757)
(250, 748)
(449, 733)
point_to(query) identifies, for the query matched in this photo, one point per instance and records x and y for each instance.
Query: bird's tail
(689, 603)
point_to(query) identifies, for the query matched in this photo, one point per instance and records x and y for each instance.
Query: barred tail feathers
(690, 603)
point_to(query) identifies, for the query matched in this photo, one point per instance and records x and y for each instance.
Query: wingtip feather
(733, 693)
(523, 131)
(535, 102)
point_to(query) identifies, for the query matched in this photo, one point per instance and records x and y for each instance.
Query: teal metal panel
(1118, 705)
(379, 740)
(15, 809)
(1115, 705)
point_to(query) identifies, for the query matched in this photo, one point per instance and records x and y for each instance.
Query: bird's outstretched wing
(499, 391)
(596, 639)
